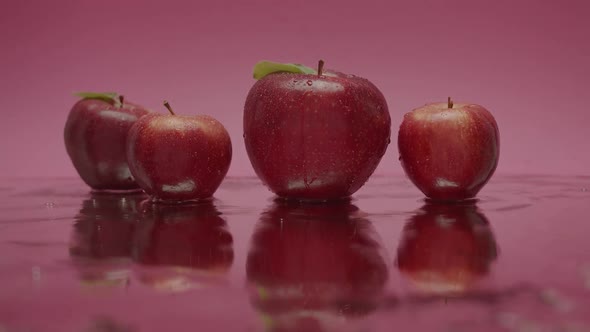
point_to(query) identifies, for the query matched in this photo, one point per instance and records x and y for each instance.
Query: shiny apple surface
(95, 135)
(315, 137)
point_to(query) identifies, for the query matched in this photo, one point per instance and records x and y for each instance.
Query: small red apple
(310, 265)
(189, 244)
(102, 238)
(95, 134)
(449, 151)
(446, 248)
(178, 158)
(314, 135)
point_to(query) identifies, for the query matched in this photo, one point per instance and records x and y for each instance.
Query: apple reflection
(182, 247)
(311, 267)
(100, 246)
(446, 248)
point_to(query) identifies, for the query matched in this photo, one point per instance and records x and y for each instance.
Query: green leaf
(262, 293)
(109, 97)
(267, 321)
(264, 68)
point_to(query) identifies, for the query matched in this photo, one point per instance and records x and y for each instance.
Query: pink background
(526, 61)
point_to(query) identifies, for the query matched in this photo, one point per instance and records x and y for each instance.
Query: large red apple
(312, 265)
(95, 134)
(188, 245)
(314, 135)
(446, 248)
(102, 238)
(449, 151)
(179, 158)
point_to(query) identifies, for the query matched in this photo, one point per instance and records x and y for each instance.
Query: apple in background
(446, 248)
(95, 134)
(102, 235)
(186, 245)
(178, 158)
(314, 135)
(310, 266)
(449, 151)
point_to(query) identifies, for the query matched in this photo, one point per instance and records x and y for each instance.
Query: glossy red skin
(326, 251)
(179, 158)
(435, 148)
(453, 241)
(95, 135)
(187, 235)
(315, 138)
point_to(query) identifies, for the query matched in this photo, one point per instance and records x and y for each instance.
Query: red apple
(102, 238)
(314, 264)
(449, 151)
(314, 135)
(446, 248)
(189, 243)
(178, 158)
(95, 135)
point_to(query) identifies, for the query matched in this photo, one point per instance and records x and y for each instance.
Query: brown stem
(449, 103)
(168, 107)
(121, 100)
(320, 67)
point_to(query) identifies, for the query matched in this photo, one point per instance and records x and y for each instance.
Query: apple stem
(168, 107)
(121, 100)
(449, 102)
(320, 67)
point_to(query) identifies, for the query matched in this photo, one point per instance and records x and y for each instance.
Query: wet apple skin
(315, 137)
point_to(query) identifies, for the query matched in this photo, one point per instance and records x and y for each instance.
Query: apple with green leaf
(95, 135)
(448, 150)
(314, 134)
(177, 158)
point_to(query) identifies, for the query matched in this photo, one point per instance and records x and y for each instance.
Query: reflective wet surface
(516, 260)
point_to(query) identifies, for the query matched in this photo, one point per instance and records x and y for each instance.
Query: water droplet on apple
(584, 189)
(49, 205)
(309, 82)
